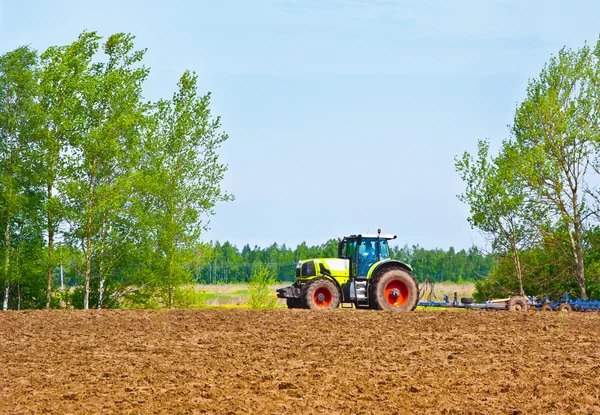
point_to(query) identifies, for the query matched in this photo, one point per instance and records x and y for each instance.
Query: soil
(233, 361)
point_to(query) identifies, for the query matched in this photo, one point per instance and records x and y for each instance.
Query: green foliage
(126, 186)
(178, 182)
(143, 298)
(261, 296)
(546, 272)
(445, 266)
(188, 297)
(225, 263)
(538, 199)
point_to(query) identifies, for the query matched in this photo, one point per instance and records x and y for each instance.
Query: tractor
(363, 275)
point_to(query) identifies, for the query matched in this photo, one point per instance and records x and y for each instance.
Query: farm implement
(517, 303)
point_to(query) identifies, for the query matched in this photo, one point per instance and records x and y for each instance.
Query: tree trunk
(170, 279)
(6, 292)
(580, 274)
(100, 293)
(88, 273)
(517, 263)
(577, 249)
(101, 266)
(50, 270)
(88, 246)
(6, 265)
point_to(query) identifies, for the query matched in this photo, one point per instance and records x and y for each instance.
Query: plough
(517, 303)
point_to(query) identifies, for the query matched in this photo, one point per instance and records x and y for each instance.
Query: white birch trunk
(6, 266)
(5, 303)
(100, 293)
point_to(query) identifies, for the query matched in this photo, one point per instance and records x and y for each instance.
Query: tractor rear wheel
(517, 304)
(294, 303)
(321, 294)
(394, 290)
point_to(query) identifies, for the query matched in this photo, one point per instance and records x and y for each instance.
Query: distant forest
(225, 263)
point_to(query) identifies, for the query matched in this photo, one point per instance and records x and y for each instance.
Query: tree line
(537, 199)
(225, 263)
(96, 183)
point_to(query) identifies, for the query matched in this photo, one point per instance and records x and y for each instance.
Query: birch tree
(62, 69)
(181, 180)
(112, 112)
(497, 201)
(17, 126)
(555, 128)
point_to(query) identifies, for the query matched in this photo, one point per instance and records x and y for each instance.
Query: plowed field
(299, 362)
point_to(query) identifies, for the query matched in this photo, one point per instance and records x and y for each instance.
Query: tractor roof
(371, 235)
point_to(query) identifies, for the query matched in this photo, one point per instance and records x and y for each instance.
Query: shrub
(258, 285)
(188, 297)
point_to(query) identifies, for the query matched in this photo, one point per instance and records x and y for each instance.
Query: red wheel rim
(396, 293)
(322, 297)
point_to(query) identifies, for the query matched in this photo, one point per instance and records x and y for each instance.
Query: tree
(180, 180)
(17, 181)
(105, 147)
(555, 130)
(497, 201)
(61, 73)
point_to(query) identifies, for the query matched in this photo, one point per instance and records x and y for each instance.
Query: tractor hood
(336, 267)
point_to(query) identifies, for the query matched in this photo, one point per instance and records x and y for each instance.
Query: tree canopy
(95, 182)
(537, 200)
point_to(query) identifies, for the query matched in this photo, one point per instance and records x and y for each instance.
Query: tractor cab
(363, 251)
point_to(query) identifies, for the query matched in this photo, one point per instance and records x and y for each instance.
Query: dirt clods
(298, 362)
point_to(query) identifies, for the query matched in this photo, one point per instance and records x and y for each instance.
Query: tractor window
(350, 250)
(384, 250)
(367, 256)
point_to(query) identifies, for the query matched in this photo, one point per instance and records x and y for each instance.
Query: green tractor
(363, 275)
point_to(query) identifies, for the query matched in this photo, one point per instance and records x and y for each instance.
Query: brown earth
(299, 362)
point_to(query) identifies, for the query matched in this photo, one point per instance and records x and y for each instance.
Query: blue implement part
(488, 305)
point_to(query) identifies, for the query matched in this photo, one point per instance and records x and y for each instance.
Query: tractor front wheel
(321, 294)
(395, 290)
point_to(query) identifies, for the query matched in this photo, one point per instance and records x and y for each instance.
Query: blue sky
(343, 115)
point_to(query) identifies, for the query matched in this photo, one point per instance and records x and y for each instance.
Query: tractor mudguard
(386, 263)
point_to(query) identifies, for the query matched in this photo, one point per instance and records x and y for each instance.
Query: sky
(343, 116)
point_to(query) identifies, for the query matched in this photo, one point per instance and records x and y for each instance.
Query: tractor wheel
(546, 307)
(517, 304)
(321, 294)
(467, 300)
(565, 307)
(395, 290)
(294, 303)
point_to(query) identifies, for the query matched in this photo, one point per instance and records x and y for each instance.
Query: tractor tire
(565, 308)
(394, 290)
(517, 304)
(467, 300)
(546, 307)
(294, 303)
(321, 294)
